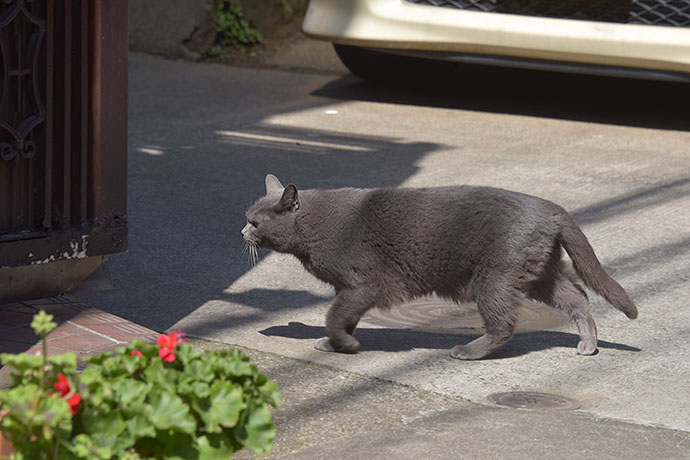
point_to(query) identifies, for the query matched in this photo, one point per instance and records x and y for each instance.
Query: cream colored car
(637, 38)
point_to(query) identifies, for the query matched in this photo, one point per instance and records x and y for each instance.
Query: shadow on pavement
(277, 299)
(636, 200)
(396, 340)
(618, 101)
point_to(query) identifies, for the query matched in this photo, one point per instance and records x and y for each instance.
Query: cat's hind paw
(324, 344)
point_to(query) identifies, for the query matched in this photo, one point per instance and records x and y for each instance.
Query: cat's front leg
(341, 320)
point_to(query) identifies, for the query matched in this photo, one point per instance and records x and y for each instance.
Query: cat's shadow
(398, 340)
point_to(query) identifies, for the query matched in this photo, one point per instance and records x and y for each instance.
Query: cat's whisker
(253, 254)
(249, 250)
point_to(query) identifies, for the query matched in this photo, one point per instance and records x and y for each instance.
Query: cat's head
(271, 219)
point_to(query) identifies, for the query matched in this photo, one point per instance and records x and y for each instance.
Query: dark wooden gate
(63, 130)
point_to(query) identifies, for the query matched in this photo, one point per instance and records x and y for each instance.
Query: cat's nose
(245, 229)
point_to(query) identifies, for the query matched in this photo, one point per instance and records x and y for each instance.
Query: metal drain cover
(534, 400)
(438, 315)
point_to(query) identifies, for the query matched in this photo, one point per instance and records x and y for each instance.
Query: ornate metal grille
(63, 86)
(22, 110)
(674, 13)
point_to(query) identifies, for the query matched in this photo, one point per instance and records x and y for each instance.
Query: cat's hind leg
(567, 295)
(341, 320)
(498, 311)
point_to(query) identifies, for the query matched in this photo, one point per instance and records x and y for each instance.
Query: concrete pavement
(202, 137)
(332, 415)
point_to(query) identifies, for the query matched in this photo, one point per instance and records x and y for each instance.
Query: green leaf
(187, 353)
(161, 377)
(269, 391)
(22, 362)
(131, 393)
(169, 411)
(201, 389)
(132, 456)
(131, 364)
(214, 447)
(91, 375)
(173, 445)
(21, 403)
(97, 421)
(42, 323)
(105, 441)
(225, 404)
(139, 427)
(34, 419)
(232, 29)
(65, 363)
(239, 368)
(54, 412)
(98, 359)
(95, 388)
(259, 430)
(84, 447)
(194, 390)
(200, 370)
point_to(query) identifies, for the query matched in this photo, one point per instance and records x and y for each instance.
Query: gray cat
(378, 247)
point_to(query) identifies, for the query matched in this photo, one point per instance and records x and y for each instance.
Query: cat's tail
(589, 268)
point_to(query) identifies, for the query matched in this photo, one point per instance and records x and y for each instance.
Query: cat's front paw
(466, 353)
(458, 352)
(587, 347)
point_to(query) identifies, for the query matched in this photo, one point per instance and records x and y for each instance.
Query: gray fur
(378, 247)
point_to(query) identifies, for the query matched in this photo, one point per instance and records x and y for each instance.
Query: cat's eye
(253, 223)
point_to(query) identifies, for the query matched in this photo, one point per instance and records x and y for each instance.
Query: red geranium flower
(73, 402)
(166, 354)
(135, 353)
(167, 344)
(171, 340)
(62, 385)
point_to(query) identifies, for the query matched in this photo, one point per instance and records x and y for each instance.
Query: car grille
(650, 12)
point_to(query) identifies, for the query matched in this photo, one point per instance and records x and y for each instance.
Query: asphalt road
(615, 153)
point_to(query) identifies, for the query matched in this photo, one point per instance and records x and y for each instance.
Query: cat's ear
(289, 201)
(273, 185)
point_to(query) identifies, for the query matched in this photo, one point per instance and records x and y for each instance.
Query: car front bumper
(405, 27)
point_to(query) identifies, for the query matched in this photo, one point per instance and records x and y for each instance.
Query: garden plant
(142, 401)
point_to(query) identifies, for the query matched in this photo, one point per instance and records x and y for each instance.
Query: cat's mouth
(249, 236)
(251, 240)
